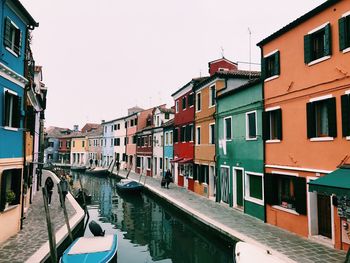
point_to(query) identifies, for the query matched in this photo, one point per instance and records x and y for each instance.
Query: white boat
(248, 253)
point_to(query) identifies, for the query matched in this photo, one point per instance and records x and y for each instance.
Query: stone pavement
(237, 225)
(34, 234)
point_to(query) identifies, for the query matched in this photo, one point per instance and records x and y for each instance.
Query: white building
(120, 141)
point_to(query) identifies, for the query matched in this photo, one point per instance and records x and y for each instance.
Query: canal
(148, 229)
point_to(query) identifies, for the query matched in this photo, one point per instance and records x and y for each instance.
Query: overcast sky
(101, 57)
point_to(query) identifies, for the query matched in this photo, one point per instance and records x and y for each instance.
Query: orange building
(306, 123)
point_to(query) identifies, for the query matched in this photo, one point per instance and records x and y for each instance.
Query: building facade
(240, 148)
(95, 138)
(107, 143)
(79, 149)
(306, 122)
(130, 150)
(168, 149)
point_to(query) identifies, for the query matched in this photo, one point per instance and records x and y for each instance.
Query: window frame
(225, 132)
(247, 127)
(344, 32)
(177, 106)
(247, 195)
(275, 73)
(13, 110)
(198, 102)
(12, 45)
(198, 138)
(211, 135)
(211, 104)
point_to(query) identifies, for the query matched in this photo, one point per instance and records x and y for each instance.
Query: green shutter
(271, 189)
(18, 41)
(345, 114)
(307, 49)
(341, 23)
(266, 125)
(279, 123)
(7, 32)
(17, 110)
(277, 63)
(332, 117)
(263, 68)
(300, 195)
(311, 120)
(328, 41)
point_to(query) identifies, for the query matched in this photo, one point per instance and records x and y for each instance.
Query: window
(125, 124)
(191, 133)
(272, 125)
(254, 186)
(228, 128)
(111, 142)
(83, 144)
(344, 32)
(198, 136)
(176, 135)
(68, 144)
(177, 106)
(148, 163)
(136, 121)
(131, 122)
(271, 65)
(286, 191)
(212, 133)
(191, 100)
(12, 37)
(251, 125)
(171, 138)
(73, 143)
(150, 140)
(160, 163)
(115, 127)
(111, 128)
(184, 103)
(134, 139)
(167, 115)
(212, 96)
(60, 145)
(161, 140)
(202, 173)
(138, 162)
(198, 102)
(166, 139)
(158, 123)
(321, 118)
(118, 126)
(10, 181)
(126, 140)
(345, 113)
(317, 44)
(116, 141)
(12, 110)
(183, 134)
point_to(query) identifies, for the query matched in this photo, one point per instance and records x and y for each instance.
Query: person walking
(49, 188)
(64, 189)
(168, 178)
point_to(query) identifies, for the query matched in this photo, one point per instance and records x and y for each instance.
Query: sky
(102, 57)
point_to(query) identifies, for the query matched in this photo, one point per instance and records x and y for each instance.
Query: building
(52, 143)
(240, 147)
(16, 144)
(130, 150)
(95, 138)
(204, 118)
(168, 149)
(119, 141)
(182, 164)
(107, 143)
(306, 124)
(79, 149)
(160, 115)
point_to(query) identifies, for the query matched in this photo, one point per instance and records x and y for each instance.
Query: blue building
(168, 145)
(15, 26)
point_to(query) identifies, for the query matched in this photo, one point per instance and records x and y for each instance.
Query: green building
(240, 147)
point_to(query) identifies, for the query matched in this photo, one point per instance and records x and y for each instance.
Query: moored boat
(78, 168)
(127, 185)
(247, 253)
(97, 171)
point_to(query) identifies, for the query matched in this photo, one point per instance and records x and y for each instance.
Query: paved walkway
(33, 236)
(281, 243)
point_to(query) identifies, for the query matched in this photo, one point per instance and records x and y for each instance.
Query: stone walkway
(283, 244)
(34, 233)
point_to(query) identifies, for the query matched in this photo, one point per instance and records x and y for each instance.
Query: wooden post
(50, 229)
(64, 211)
(83, 194)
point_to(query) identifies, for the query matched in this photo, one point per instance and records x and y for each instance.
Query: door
(155, 168)
(324, 215)
(212, 180)
(225, 184)
(239, 188)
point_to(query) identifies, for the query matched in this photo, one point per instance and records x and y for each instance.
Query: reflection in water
(148, 231)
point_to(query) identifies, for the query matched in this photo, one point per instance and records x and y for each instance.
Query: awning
(176, 160)
(336, 182)
(186, 160)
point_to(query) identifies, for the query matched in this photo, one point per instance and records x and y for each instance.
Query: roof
(193, 81)
(229, 74)
(165, 110)
(249, 84)
(298, 21)
(96, 132)
(24, 11)
(168, 123)
(91, 126)
(118, 119)
(223, 58)
(55, 132)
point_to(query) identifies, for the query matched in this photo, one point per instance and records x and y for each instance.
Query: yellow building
(79, 149)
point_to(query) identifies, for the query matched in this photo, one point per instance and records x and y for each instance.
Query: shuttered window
(271, 65)
(212, 96)
(191, 100)
(228, 128)
(345, 114)
(184, 103)
(10, 181)
(317, 44)
(251, 125)
(255, 188)
(12, 110)
(198, 102)
(12, 36)
(212, 133)
(272, 128)
(344, 32)
(198, 135)
(321, 118)
(176, 134)
(183, 134)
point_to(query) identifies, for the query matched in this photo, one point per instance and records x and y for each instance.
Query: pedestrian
(168, 178)
(91, 161)
(49, 188)
(64, 189)
(163, 182)
(96, 162)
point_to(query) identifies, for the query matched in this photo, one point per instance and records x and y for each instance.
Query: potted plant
(10, 197)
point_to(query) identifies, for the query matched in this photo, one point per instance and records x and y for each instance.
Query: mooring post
(63, 203)
(50, 229)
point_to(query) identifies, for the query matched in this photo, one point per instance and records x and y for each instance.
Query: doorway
(324, 215)
(238, 192)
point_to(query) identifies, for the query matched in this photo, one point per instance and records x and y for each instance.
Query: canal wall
(76, 222)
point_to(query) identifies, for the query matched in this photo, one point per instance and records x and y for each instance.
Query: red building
(221, 64)
(182, 164)
(64, 148)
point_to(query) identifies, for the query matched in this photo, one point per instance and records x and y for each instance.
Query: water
(150, 231)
